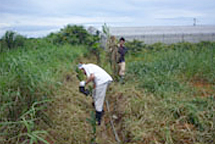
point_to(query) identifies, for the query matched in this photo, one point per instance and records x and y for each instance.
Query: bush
(12, 40)
(73, 35)
(135, 46)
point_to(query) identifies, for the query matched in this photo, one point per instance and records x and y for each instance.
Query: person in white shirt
(101, 79)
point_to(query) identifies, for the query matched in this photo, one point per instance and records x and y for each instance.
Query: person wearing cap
(101, 79)
(121, 62)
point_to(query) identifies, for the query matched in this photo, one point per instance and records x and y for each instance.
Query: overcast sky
(36, 18)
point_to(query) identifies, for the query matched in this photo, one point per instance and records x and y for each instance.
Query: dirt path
(69, 113)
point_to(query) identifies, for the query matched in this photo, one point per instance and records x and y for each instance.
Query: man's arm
(91, 78)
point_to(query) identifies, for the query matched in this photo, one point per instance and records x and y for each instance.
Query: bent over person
(101, 79)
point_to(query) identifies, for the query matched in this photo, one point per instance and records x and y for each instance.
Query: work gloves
(82, 88)
(82, 84)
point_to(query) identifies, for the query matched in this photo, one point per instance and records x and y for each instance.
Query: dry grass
(68, 113)
(146, 114)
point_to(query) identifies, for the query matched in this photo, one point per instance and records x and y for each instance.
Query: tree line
(70, 34)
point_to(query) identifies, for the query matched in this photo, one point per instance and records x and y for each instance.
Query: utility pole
(194, 21)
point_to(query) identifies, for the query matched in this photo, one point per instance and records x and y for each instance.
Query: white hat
(80, 66)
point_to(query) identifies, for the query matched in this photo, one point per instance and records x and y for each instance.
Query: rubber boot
(98, 117)
(122, 80)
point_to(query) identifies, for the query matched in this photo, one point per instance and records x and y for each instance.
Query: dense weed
(28, 78)
(178, 113)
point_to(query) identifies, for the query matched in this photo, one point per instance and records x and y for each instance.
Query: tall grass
(28, 76)
(159, 103)
(168, 68)
(172, 109)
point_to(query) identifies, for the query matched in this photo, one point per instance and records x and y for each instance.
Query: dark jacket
(122, 51)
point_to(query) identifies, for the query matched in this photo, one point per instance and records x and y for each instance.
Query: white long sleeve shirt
(101, 76)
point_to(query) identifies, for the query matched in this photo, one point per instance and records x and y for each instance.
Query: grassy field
(175, 100)
(28, 78)
(168, 97)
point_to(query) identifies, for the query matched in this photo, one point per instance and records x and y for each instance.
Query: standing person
(122, 51)
(101, 79)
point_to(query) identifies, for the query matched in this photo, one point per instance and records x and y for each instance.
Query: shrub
(135, 46)
(73, 35)
(12, 40)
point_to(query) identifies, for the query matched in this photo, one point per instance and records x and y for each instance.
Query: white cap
(80, 66)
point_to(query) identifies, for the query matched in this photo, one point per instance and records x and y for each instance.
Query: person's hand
(82, 84)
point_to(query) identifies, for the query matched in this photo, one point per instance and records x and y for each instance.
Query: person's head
(121, 41)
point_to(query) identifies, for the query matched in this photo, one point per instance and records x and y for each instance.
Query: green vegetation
(177, 85)
(74, 35)
(92, 121)
(166, 68)
(29, 75)
(11, 40)
(168, 96)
